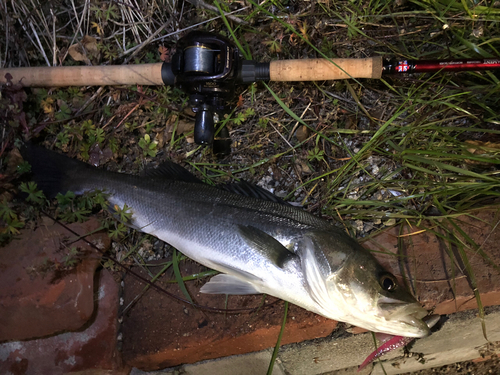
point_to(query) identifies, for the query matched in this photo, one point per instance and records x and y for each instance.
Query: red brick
(159, 332)
(37, 301)
(428, 266)
(91, 350)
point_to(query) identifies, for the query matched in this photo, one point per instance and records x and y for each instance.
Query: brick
(40, 295)
(92, 350)
(159, 332)
(439, 282)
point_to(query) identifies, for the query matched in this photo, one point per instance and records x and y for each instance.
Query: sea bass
(259, 245)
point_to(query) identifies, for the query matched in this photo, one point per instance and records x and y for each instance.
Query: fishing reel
(208, 67)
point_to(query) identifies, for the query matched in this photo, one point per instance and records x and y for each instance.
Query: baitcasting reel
(207, 67)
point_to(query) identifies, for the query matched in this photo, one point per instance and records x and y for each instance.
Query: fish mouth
(407, 316)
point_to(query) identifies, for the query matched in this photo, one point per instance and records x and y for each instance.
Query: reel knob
(204, 126)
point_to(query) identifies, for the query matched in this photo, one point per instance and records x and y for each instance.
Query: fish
(257, 242)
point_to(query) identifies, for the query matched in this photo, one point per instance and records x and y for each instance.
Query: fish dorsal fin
(250, 190)
(172, 171)
(228, 284)
(266, 245)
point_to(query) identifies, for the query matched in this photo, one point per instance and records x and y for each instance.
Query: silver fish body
(260, 246)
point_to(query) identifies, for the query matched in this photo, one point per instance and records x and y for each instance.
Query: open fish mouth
(408, 316)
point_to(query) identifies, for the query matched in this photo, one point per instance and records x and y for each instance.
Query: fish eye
(388, 282)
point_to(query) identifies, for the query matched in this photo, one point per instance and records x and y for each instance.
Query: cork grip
(144, 74)
(323, 69)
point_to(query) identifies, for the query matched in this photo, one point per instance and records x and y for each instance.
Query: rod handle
(323, 69)
(142, 74)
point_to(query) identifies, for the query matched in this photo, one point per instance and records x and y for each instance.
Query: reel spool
(200, 59)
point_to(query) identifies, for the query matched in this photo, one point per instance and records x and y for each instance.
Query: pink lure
(395, 342)
(392, 344)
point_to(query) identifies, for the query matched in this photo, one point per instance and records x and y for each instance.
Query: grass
(421, 150)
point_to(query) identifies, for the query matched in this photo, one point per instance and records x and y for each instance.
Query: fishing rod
(209, 66)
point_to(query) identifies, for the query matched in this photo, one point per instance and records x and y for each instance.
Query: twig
(281, 135)
(297, 123)
(54, 47)
(135, 50)
(203, 4)
(92, 98)
(128, 114)
(3, 61)
(78, 27)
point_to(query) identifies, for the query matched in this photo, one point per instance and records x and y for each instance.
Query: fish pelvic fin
(228, 284)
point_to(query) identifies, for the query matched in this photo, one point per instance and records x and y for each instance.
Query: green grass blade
(178, 276)
(277, 346)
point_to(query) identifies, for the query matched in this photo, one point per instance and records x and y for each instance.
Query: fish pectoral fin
(228, 284)
(266, 245)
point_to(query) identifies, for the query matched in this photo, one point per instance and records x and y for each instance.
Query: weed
(10, 223)
(316, 154)
(148, 146)
(34, 195)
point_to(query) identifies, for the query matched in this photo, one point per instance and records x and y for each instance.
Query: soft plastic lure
(395, 342)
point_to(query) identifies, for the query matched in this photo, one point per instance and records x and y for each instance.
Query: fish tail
(54, 173)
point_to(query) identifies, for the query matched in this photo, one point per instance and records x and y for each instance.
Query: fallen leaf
(85, 51)
(302, 167)
(302, 133)
(182, 127)
(240, 101)
(98, 156)
(164, 53)
(484, 149)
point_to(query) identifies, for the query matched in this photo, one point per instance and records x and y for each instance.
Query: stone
(43, 292)
(91, 350)
(459, 338)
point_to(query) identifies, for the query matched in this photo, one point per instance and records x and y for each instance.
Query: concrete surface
(460, 338)
(246, 364)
